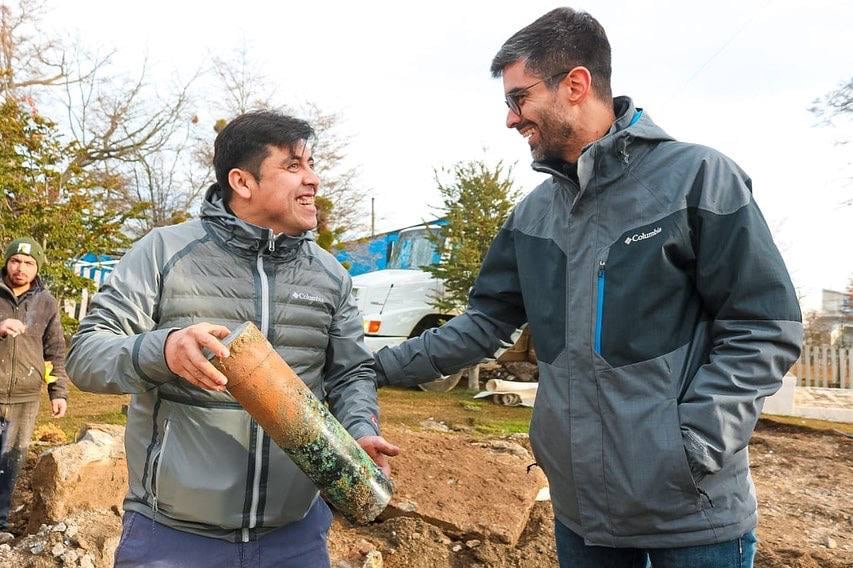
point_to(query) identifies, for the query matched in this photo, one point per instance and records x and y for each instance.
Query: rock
(6, 537)
(87, 561)
(407, 506)
(474, 543)
(456, 547)
(37, 548)
(502, 446)
(431, 424)
(525, 372)
(59, 527)
(830, 543)
(432, 473)
(71, 531)
(70, 557)
(342, 564)
(43, 530)
(373, 560)
(364, 547)
(58, 549)
(5, 547)
(90, 474)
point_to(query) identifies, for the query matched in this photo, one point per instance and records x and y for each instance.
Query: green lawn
(399, 406)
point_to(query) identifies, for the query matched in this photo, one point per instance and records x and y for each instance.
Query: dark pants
(17, 422)
(298, 545)
(573, 553)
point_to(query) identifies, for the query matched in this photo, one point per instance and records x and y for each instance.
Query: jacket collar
(614, 151)
(36, 286)
(243, 237)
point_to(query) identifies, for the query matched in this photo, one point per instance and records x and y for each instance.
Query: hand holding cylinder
(265, 385)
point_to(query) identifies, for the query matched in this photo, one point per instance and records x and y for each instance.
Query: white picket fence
(824, 366)
(95, 271)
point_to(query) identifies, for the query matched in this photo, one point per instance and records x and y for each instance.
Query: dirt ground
(803, 476)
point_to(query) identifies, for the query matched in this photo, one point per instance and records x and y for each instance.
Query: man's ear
(577, 84)
(242, 182)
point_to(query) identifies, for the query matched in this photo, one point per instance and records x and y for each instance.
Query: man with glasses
(661, 311)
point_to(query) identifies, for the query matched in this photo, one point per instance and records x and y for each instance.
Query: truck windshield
(413, 250)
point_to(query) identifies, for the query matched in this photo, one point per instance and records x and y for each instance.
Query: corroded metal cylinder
(271, 392)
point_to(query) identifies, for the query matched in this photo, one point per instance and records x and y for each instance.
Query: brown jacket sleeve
(54, 351)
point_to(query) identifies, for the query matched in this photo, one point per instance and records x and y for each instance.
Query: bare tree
(836, 104)
(123, 128)
(241, 86)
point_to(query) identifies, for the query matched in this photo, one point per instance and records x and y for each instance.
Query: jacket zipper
(14, 356)
(259, 433)
(599, 308)
(156, 464)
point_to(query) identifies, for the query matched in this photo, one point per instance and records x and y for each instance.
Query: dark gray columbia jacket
(662, 315)
(22, 358)
(196, 460)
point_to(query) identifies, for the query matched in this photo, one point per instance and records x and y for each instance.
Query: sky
(412, 84)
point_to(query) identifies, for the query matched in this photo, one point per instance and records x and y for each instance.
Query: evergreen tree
(476, 202)
(45, 195)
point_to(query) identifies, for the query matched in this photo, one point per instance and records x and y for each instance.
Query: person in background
(32, 349)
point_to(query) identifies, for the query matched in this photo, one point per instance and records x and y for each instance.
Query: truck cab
(395, 302)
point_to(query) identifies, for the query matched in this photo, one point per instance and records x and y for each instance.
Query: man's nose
(512, 119)
(311, 179)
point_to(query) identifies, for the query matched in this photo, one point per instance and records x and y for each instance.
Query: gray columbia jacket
(662, 315)
(196, 460)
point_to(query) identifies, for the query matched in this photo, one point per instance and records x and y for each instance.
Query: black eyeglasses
(515, 97)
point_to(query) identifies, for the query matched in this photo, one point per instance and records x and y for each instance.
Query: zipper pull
(601, 265)
(271, 244)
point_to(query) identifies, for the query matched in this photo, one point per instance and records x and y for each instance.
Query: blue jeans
(573, 553)
(298, 545)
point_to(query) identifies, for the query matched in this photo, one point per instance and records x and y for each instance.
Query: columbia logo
(306, 297)
(642, 236)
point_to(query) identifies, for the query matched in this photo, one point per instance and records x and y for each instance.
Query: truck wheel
(444, 384)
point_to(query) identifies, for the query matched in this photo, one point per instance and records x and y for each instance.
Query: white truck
(396, 302)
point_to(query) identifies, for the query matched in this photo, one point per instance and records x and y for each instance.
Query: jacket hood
(241, 236)
(632, 129)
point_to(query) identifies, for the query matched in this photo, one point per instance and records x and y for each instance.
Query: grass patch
(400, 406)
(409, 407)
(845, 427)
(83, 408)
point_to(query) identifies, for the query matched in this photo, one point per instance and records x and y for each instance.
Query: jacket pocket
(201, 470)
(647, 477)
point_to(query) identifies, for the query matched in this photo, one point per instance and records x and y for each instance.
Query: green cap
(27, 246)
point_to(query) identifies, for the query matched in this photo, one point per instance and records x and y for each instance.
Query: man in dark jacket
(206, 485)
(661, 311)
(30, 337)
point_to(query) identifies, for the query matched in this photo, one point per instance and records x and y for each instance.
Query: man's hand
(185, 359)
(58, 406)
(12, 327)
(377, 448)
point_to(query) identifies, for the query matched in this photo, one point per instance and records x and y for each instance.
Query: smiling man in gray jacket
(661, 311)
(199, 466)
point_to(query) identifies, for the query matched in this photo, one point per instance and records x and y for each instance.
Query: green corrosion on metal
(346, 476)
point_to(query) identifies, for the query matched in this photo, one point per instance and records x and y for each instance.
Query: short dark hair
(559, 41)
(245, 142)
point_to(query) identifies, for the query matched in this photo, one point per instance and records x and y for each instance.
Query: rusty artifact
(271, 392)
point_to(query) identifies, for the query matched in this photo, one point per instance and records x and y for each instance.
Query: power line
(723, 47)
